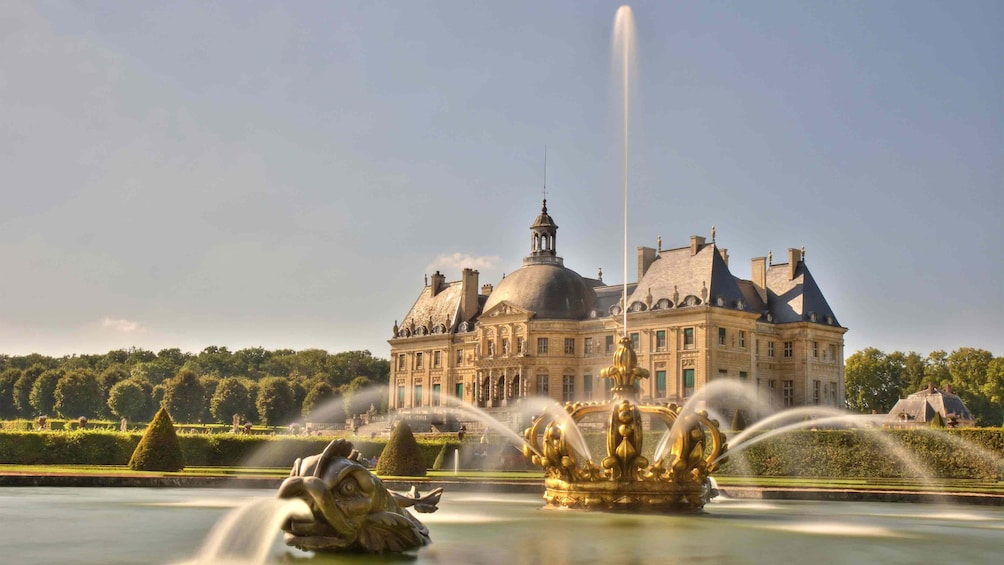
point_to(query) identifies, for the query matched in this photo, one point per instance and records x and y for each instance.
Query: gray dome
(550, 290)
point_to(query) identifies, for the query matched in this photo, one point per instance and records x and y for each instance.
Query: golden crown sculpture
(624, 479)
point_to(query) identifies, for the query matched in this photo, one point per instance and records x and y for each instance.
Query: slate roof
(686, 274)
(430, 311)
(920, 408)
(793, 300)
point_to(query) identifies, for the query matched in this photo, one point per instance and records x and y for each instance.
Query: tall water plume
(623, 63)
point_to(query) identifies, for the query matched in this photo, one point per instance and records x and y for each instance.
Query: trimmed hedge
(99, 447)
(971, 453)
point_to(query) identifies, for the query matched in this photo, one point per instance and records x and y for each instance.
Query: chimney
(696, 242)
(438, 282)
(760, 276)
(948, 389)
(646, 255)
(930, 387)
(486, 289)
(468, 294)
(725, 255)
(794, 257)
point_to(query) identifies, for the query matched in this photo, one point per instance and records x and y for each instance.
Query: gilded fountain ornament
(677, 480)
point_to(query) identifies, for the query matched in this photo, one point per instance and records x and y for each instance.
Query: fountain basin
(141, 525)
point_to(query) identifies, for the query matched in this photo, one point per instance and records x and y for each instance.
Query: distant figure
(124, 425)
(247, 428)
(461, 432)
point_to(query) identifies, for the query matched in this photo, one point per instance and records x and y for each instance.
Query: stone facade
(547, 331)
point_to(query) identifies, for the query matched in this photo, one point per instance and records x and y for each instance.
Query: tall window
(435, 394)
(491, 348)
(722, 334)
(400, 362)
(743, 375)
(770, 349)
(788, 393)
(660, 340)
(458, 390)
(542, 385)
(419, 362)
(610, 344)
(437, 359)
(788, 350)
(569, 346)
(587, 387)
(460, 356)
(541, 346)
(688, 338)
(688, 382)
(636, 341)
(587, 346)
(400, 397)
(660, 384)
(815, 349)
(568, 388)
(815, 392)
(418, 395)
(742, 339)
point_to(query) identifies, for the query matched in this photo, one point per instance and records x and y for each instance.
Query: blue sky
(284, 174)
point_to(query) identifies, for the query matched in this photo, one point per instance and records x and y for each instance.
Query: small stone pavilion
(919, 409)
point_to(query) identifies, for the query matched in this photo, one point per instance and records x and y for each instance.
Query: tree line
(270, 387)
(875, 380)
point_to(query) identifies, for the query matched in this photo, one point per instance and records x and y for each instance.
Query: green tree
(128, 400)
(319, 405)
(359, 395)
(275, 401)
(936, 369)
(22, 389)
(184, 397)
(8, 410)
(108, 378)
(913, 372)
(873, 380)
(78, 394)
(209, 385)
(43, 392)
(969, 369)
(231, 397)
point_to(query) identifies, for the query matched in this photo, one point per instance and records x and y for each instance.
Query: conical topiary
(402, 457)
(738, 422)
(937, 421)
(446, 456)
(159, 449)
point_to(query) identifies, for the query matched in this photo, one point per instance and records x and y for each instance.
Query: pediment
(505, 308)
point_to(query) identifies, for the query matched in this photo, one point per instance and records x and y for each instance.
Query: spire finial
(659, 244)
(599, 274)
(712, 234)
(545, 178)
(770, 258)
(803, 253)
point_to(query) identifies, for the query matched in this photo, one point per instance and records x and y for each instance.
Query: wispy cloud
(453, 262)
(122, 326)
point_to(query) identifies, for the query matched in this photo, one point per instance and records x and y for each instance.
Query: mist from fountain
(247, 533)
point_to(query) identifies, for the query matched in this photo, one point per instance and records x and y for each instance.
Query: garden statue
(350, 509)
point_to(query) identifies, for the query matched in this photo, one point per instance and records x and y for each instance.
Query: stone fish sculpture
(350, 509)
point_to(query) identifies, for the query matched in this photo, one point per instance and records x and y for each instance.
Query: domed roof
(549, 290)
